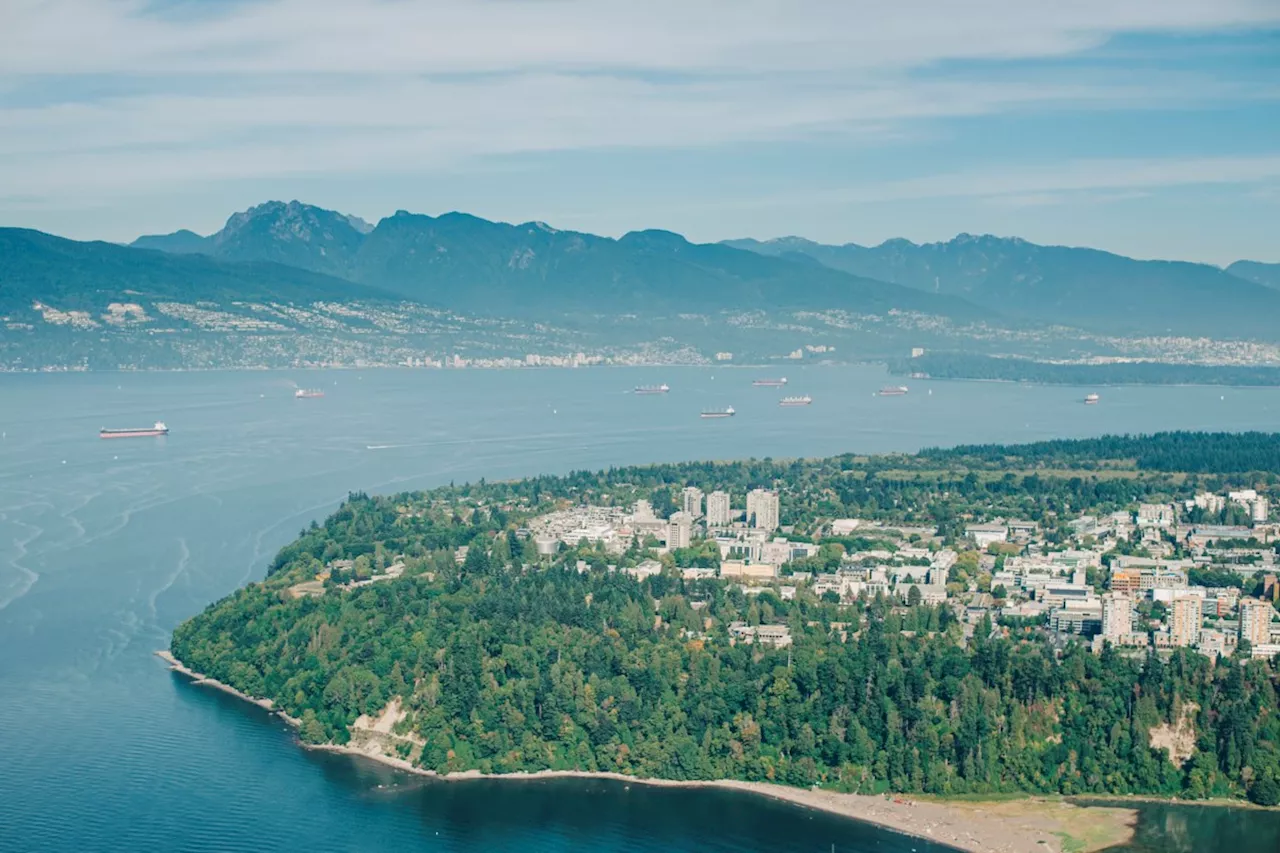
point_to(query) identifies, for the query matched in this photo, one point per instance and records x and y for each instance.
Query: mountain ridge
(90, 274)
(473, 264)
(1268, 275)
(1075, 286)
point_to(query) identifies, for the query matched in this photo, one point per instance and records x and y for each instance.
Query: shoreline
(1026, 825)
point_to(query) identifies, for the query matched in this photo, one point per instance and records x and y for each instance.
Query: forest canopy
(500, 659)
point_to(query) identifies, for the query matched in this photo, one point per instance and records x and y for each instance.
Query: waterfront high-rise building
(1185, 618)
(718, 509)
(762, 509)
(1255, 621)
(1117, 615)
(693, 501)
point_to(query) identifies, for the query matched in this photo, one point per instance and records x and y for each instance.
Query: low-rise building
(743, 569)
(987, 534)
(646, 569)
(777, 636)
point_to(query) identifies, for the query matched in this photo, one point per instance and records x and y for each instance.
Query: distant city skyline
(1142, 127)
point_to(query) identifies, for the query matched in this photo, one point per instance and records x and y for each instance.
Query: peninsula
(867, 635)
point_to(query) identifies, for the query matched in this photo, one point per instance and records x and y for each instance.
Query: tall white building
(1259, 510)
(1117, 615)
(762, 509)
(679, 530)
(1185, 618)
(693, 501)
(1255, 621)
(718, 509)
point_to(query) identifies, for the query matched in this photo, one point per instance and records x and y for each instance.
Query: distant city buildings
(1255, 621)
(762, 509)
(1080, 588)
(1185, 619)
(1117, 616)
(692, 500)
(680, 530)
(718, 509)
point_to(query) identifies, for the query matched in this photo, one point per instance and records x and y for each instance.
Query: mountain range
(1086, 288)
(290, 252)
(470, 264)
(73, 275)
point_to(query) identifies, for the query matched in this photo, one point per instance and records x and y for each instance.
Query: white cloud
(454, 36)
(101, 99)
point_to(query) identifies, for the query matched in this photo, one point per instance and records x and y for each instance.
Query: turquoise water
(106, 545)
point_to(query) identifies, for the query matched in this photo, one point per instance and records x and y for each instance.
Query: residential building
(693, 501)
(1185, 618)
(718, 512)
(1210, 502)
(1260, 510)
(762, 509)
(1155, 515)
(1117, 615)
(679, 530)
(1255, 621)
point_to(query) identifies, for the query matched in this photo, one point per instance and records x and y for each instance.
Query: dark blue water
(106, 545)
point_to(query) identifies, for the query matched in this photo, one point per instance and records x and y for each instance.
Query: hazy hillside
(471, 264)
(1087, 288)
(35, 266)
(1267, 275)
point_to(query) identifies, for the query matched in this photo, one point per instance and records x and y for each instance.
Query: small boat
(892, 391)
(135, 432)
(770, 383)
(652, 389)
(719, 413)
(307, 393)
(1091, 400)
(796, 401)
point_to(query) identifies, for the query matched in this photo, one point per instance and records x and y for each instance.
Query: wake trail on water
(179, 571)
(26, 577)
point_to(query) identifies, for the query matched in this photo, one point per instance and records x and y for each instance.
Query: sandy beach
(1030, 825)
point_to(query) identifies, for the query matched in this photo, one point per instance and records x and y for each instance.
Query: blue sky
(1147, 127)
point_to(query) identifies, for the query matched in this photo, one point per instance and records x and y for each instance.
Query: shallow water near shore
(106, 545)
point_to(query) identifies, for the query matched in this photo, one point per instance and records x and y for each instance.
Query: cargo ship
(796, 401)
(893, 390)
(719, 413)
(307, 394)
(652, 389)
(140, 432)
(1091, 400)
(770, 383)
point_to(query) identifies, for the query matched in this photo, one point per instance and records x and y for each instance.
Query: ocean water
(106, 545)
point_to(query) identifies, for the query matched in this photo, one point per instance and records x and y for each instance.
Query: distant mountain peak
(655, 238)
